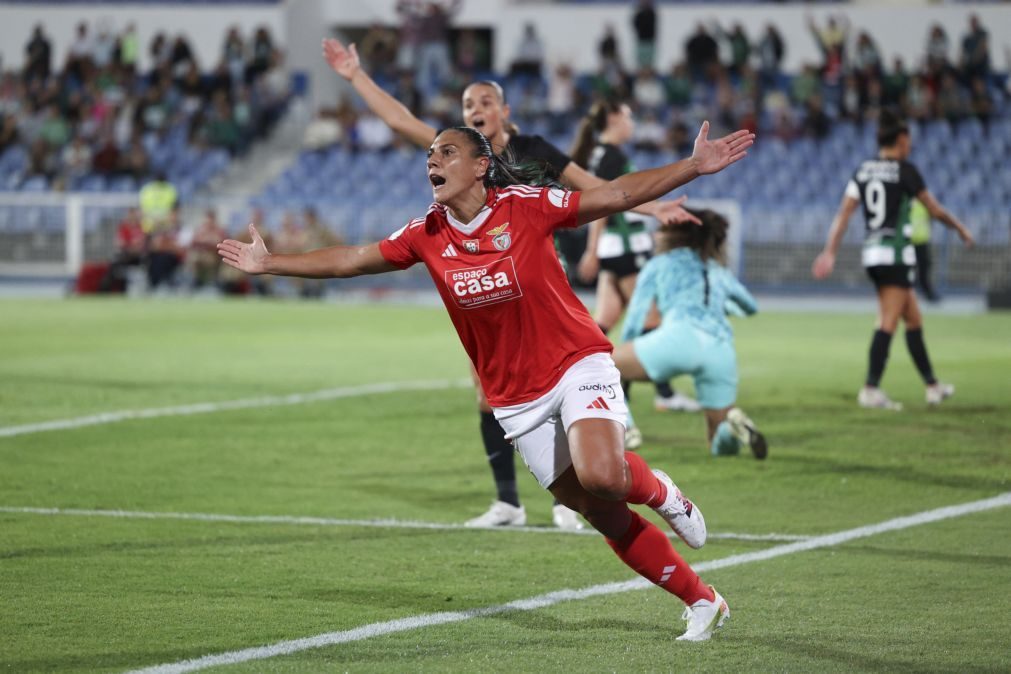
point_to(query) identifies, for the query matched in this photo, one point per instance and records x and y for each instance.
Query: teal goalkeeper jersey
(687, 289)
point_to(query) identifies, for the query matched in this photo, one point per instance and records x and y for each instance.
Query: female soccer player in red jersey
(543, 362)
(485, 109)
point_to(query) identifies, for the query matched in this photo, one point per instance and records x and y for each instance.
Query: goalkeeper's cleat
(704, 617)
(746, 431)
(681, 514)
(872, 397)
(938, 392)
(500, 514)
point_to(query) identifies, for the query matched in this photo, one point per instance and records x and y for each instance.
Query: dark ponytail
(890, 127)
(503, 170)
(707, 239)
(592, 124)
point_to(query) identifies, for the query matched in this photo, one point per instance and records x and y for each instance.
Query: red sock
(650, 554)
(646, 489)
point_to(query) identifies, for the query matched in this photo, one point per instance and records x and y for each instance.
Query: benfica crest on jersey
(471, 245)
(501, 239)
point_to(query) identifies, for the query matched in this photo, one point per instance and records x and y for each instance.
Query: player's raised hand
(247, 257)
(673, 213)
(715, 155)
(344, 60)
(823, 266)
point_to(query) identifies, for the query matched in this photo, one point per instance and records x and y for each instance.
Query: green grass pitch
(96, 594)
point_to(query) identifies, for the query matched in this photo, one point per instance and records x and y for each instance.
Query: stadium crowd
(99, 114)
(734, 79)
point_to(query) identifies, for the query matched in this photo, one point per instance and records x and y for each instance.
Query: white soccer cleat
(633, 437)
(678, 402)
(681, 514)
(875, 398)
(565, 518)
(500, 514)
(938, 392)
(704, 617)
(744, 429)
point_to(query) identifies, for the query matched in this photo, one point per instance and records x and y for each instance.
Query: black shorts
(899, 275)
(624, 265)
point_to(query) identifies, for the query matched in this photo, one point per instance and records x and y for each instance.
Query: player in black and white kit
(619, 246)
(485, 109)
(885, 187)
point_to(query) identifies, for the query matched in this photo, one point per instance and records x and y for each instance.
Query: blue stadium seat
(35, 184)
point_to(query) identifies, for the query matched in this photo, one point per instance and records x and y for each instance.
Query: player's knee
(605, 480)
(889, 324)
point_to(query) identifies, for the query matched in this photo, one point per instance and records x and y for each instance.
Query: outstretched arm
(739, 300)
(332, 262)
(667, 212)
(941, 213)
(345, 62)
(825, 262)
(633, 189)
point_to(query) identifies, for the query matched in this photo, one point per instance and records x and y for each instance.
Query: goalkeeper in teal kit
(686, 288)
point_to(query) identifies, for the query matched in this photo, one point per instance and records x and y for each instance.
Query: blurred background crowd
(98, 122)
(98, 116)
(733, 78)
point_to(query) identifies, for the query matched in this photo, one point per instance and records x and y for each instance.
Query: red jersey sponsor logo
(488, 284)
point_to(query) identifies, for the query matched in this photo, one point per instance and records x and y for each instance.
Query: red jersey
(130, 235)
(505, 290)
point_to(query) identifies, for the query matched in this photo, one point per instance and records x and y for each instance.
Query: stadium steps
(250, 174)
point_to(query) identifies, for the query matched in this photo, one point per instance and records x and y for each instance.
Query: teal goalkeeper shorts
(677, 347)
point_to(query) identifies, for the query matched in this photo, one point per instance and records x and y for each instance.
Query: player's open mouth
(478, 124)
(437, 181)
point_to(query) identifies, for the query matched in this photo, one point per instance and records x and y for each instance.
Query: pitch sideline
(227, 405)
(339, 522)
(551, 598)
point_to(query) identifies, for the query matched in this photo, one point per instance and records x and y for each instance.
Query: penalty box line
(339, 522)
(227, 405)
(552, 598)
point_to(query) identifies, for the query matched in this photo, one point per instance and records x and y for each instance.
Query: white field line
(551, 598)
(224, 405)
(335, 522)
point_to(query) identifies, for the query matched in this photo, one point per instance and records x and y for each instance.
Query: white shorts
(590, 389)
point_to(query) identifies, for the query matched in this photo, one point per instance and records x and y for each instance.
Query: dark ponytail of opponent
(890, 127)
(591, 126)
(502, 171)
